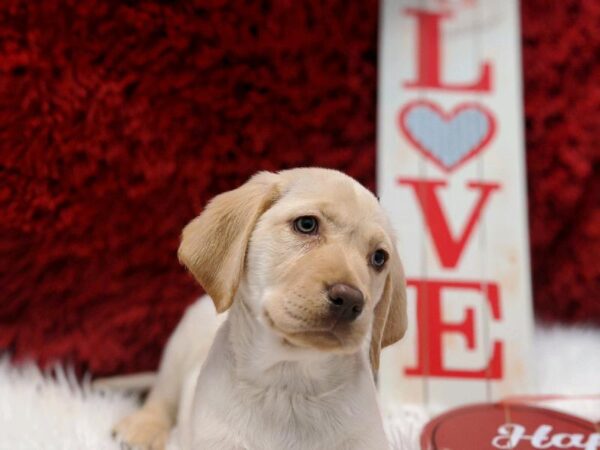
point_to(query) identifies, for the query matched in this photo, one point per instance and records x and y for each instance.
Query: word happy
(511, 435)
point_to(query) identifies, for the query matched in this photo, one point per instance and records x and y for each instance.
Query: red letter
(431, 328)
(448, 248)
(430, 57)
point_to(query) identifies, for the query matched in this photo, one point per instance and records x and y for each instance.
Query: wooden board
(451, 173)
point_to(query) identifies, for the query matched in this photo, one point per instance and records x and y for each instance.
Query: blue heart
(447, 140)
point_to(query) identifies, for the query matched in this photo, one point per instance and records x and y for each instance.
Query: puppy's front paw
(146, 429)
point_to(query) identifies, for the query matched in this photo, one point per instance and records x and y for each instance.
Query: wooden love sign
(451, 173)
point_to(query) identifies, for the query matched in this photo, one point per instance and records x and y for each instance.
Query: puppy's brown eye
(306, 225)
(378, 259)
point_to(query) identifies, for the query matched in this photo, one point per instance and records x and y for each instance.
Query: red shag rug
(119, 120)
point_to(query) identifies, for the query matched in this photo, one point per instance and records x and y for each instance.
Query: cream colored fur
(283, 371)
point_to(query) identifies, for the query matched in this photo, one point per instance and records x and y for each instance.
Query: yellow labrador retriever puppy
(305, 263)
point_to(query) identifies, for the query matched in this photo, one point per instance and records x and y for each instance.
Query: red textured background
(118, 122)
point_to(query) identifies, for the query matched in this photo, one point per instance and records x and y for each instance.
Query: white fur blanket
(54, 410)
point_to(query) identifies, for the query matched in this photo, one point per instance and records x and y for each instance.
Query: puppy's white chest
(244, 403)
(257, 419)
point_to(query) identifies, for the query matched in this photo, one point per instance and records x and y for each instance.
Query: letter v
(449, 249)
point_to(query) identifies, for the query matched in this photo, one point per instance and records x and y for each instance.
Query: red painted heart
(515, 427)
(447, 139)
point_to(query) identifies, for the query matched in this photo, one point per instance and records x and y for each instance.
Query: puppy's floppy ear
(389, 321)
(213, 245)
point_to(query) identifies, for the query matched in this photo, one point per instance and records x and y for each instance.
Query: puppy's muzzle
(345, 301)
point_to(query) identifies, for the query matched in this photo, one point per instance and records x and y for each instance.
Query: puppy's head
(313, 254)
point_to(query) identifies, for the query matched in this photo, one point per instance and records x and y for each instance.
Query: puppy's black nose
(345, 300)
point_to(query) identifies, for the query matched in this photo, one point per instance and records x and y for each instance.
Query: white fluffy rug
(55, 411)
